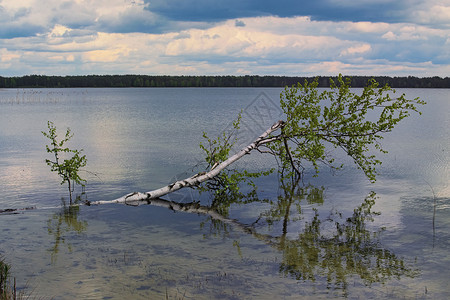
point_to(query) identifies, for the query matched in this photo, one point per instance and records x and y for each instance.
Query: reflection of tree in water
(351, 249)
(63, 222)
(331, 248)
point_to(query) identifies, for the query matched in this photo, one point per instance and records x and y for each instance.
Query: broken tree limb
(196, 179)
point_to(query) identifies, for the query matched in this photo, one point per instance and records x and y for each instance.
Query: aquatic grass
(6, 291)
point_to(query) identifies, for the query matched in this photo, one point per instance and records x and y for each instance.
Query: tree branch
(291, 159)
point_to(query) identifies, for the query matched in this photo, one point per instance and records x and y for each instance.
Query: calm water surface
(308, 245)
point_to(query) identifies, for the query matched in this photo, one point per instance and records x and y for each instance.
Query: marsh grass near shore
(7, 288)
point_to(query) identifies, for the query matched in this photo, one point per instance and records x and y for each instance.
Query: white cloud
(356, 50)
(111, 55)
(59, 31)
(389, 36)
(16, 5)
(365, 27)
(8, 56)
(436, 14)
(409, 32)
(252, 43)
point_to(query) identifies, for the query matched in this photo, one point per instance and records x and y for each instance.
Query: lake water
(308, 245)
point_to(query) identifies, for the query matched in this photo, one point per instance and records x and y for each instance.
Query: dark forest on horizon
(85, 81)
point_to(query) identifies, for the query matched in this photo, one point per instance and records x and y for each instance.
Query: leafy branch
(337, 117)
(68, 168)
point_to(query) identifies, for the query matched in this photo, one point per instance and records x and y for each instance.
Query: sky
(225, 37)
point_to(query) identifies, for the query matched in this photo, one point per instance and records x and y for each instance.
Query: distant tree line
(43, 81)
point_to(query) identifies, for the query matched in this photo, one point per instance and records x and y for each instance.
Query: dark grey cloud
(22, 12)
(129, 23)
(239, 23)
(144, 21)
(9, 31)
(73, 15)
(12, 25)
(321, 10)
(183, 35)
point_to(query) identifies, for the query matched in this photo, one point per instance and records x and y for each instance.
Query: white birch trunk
(197, 178)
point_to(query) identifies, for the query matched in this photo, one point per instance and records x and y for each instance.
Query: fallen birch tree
(314, 121)
(198, 178)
